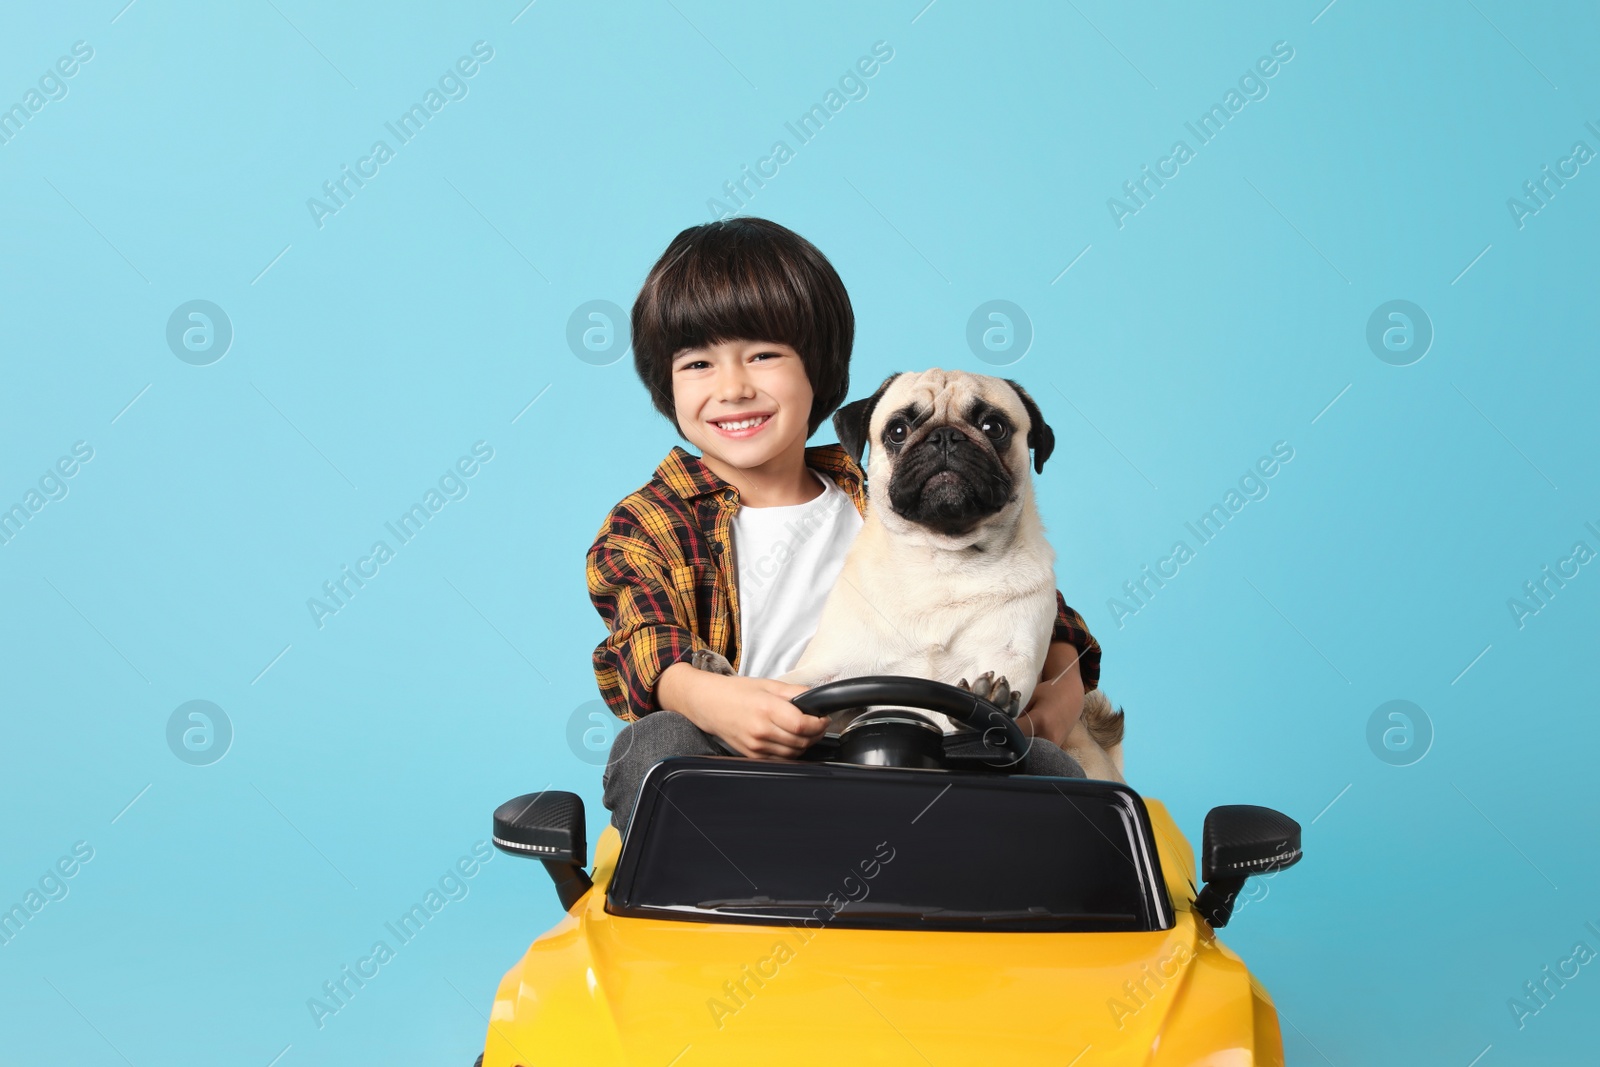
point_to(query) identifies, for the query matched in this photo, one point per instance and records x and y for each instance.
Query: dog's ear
(1041, 438)
(854, 421)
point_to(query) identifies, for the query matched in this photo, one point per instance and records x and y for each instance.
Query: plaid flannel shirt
(662, 576)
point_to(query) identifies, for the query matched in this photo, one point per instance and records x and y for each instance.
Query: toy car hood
(601, 989)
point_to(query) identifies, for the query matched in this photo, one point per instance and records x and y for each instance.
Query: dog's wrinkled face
(952, 446)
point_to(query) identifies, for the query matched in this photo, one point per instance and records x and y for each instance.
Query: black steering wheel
(1004, 743)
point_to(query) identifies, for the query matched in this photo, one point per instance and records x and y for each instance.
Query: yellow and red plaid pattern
(661, 575)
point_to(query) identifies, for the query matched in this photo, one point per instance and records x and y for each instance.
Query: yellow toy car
(899, 901)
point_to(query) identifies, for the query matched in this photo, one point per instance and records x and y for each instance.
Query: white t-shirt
(788, 558)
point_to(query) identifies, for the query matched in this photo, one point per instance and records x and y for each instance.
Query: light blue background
(428, 313)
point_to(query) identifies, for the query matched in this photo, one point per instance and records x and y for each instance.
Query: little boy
(742, 333)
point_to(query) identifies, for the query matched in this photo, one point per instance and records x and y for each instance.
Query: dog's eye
(994, 429)
(896, 432)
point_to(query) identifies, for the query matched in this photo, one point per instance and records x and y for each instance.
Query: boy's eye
(767, 355)
(694, 364)
(896, 432)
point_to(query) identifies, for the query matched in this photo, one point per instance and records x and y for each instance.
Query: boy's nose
(733, 383)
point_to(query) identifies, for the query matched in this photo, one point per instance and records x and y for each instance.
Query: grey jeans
(647, 741)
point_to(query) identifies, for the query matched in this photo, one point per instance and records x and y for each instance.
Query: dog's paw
(712, 662)
(996, 691)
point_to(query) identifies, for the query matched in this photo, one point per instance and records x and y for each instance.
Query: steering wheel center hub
(895, 733)
(892, 738)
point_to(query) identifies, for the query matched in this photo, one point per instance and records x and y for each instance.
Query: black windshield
(736, 840)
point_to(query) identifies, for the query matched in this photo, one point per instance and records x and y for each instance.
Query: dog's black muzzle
(948, 482)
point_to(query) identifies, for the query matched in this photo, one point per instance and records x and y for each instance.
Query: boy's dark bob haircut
(744, 279)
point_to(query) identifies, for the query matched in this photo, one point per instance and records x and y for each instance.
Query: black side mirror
(1241, 840)
(548, 826)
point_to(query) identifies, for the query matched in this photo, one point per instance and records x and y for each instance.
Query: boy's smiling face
(744, 404)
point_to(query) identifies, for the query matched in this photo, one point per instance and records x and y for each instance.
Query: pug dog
(951, 577)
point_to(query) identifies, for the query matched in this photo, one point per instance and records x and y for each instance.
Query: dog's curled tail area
(713, 662)
(1103, 723)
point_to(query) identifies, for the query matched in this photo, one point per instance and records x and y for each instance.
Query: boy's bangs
(734, 301)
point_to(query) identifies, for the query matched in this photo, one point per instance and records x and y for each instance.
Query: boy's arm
(753, 716)
(631, 587)
(1071, 668)
(1057, 700)
(1072, 630)
(642, 665)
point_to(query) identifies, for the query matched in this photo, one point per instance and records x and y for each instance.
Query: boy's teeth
(742, 424)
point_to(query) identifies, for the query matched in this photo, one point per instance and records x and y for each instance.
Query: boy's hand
(1057, 701)
(753, 716)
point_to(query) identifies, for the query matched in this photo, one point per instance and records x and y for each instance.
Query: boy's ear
(1041, 438)
(854, 421)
